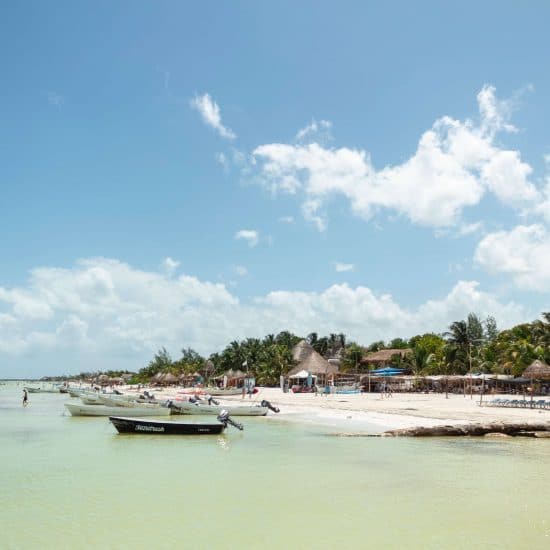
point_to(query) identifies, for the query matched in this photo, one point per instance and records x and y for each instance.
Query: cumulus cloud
(117, 312)
(318, 132)
(454, 165)
(102, 304)
(340, 267)
(542, 208)
(251, 236)
(169, 266)
(523, 253)
(210, 114)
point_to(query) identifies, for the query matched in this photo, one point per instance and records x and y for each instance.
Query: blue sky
(178, 174)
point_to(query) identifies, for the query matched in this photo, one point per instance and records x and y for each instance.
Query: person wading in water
(25, 397)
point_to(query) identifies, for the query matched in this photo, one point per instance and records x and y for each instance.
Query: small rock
(496, 435)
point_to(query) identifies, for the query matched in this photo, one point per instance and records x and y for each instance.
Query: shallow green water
(74, 483)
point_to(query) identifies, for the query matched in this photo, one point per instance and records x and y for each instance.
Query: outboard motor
(195, 399)
(271, 407)
(224, 418)
(149, 396)
(212, 401)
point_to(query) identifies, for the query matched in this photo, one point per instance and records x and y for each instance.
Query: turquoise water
(75, 483)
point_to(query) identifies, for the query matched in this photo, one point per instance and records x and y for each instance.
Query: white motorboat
(185, 407)
(77, 392)
(220, 392)
(114, 400)
(144, 409)
(91, 400)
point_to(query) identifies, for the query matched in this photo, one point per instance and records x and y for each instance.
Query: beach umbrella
(387, 371)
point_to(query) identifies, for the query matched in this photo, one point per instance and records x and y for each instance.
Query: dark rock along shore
(520, 429)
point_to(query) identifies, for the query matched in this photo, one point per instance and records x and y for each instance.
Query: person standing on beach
(25, 397)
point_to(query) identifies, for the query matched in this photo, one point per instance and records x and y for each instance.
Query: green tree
(352, 357)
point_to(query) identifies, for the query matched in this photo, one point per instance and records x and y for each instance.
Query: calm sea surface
(74, 483)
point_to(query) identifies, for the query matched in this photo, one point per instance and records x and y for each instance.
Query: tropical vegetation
(469, 345)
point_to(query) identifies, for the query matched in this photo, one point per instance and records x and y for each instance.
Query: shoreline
(371, 412)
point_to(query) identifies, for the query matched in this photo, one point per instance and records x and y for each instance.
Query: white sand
(402, 410)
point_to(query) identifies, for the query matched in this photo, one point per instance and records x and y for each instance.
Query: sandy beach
(402, 410)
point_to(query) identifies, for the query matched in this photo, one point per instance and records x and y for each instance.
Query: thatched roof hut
(169, 378)
(301, 350)
(315, 364)
(384, 356)
(537, 370)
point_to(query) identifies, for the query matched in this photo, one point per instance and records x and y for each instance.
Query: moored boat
(91, 400)
(113, 400)
(142, 426)
(218, 392)
(185, 407)
(145, 409)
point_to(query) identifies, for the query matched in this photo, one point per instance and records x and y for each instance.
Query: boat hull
(102, 410)
(222, 392)
(140, 426)
(218, 392)
(191, 408)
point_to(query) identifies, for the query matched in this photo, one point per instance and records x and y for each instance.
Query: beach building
(537, 370)
(311, 366)
(231, 378)
(301, 350)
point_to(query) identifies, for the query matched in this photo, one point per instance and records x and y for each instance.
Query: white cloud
(542, 208)
(251, 236)
(122, 314)
(523, 253)
(210, 113)
(169, 266)
(469, 228)
(310, 210)
(340, 267)
(318, 132)
(454, 165)
(105, 305)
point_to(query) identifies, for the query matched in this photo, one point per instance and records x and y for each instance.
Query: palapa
(315, 364)
(169, 378)
(385, 356)
(537, 370)
(301, 350)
